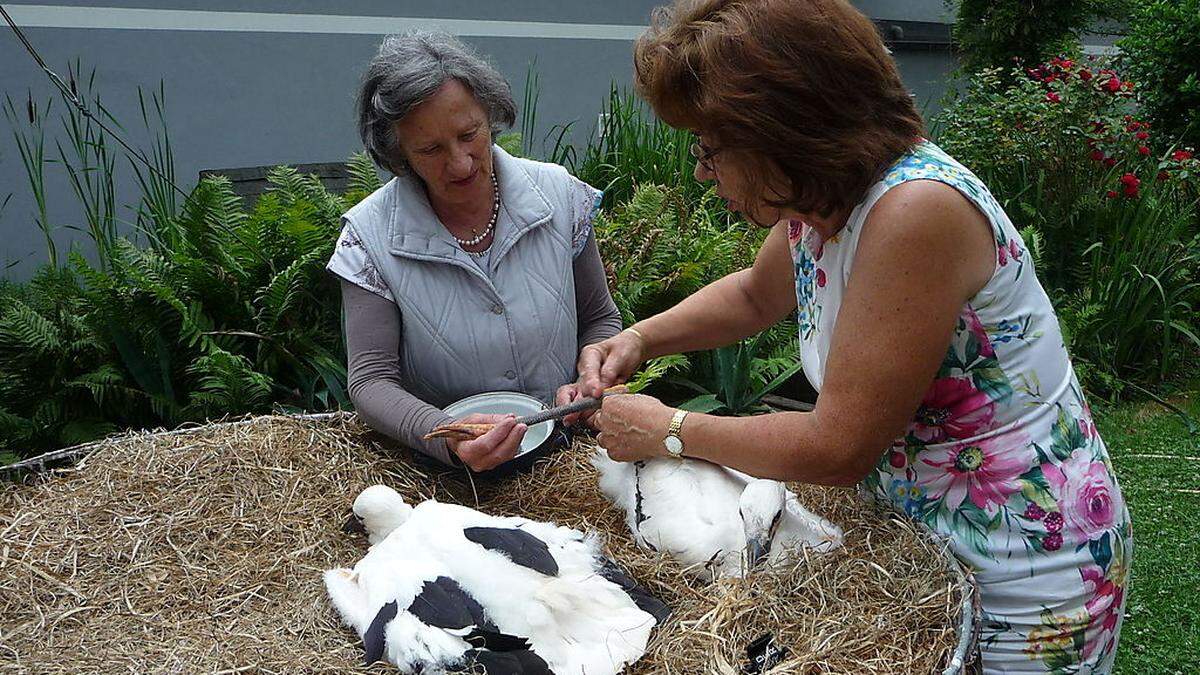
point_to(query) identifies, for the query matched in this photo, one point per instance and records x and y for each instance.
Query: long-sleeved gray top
(373, 326)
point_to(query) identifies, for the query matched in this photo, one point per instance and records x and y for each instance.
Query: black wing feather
(522, 662)
(636, 592)
(374, 640)
(521, 547)
(444, 604)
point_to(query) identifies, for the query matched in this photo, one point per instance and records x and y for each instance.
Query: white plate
(505, 403)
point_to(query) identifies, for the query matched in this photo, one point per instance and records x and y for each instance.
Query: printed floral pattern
(351, 262)
(586, 202)
(1002, 456)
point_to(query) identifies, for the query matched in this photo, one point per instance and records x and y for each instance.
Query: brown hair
(804, 90)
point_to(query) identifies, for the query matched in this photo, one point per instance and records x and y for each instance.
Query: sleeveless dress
(1002, 457)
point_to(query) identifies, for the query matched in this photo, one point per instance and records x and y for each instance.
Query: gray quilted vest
(464, 332)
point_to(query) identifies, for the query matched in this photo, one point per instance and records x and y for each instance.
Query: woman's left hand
(632, 426)
(569, 393)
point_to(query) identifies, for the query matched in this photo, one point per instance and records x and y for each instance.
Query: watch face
(674, 445)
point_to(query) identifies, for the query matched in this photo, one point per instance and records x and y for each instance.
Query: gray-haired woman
(471, 270)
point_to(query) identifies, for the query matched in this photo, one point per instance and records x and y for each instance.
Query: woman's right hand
(493, 448)
(609, 362)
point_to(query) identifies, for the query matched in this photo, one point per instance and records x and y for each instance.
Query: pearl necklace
(491, 222)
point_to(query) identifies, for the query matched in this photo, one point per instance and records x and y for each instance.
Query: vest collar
(416, 231)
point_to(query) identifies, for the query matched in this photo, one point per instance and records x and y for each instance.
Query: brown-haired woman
(945, 387)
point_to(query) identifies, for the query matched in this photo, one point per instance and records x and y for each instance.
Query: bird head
(377, 511)
(761, 507)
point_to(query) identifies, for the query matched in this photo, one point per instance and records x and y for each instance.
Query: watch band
(677, 423)
(674, 441)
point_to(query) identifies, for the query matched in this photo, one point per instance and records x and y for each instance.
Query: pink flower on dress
(795, 230)
(978, 333)
(1103, 608)
(1002, 254)
(987, 471)
(1089, 499)
(1088, 428)
(820, 278)
(952, 409)
(1014, 250)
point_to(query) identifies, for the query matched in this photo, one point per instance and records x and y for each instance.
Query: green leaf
(1101, 550)
(992, 381)
(702, 404)
(1065, 436)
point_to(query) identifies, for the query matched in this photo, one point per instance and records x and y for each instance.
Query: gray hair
(406, 71)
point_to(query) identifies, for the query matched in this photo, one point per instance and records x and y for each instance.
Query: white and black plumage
(712, 519)
(425, 621)
(513, 579)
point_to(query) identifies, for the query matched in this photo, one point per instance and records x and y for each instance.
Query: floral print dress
(1002, 457)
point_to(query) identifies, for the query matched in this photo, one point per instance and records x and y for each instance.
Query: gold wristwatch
(673, 441)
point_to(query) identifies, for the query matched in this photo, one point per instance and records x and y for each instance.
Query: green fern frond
(14, 429)
(282, 294)
(364, 177)
(227, 383)
(85, 430)
(23, 328)
(655, 369)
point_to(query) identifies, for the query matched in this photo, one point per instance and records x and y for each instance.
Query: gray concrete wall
(242, 97)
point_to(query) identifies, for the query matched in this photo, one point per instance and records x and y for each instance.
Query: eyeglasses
(704, 155)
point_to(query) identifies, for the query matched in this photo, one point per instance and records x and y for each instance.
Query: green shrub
(630, 148)
(1162, 53)
(228, 312)
(1062, 146)
(994, 33)
(659, 247)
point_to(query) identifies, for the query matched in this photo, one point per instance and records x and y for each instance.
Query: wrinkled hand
(633, 426)
(493, 448)
(609, 362)
(569, 393)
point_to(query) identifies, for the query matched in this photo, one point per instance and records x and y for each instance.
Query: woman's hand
(493, 448)
(633, 426)
(569, 393)
(609, 362)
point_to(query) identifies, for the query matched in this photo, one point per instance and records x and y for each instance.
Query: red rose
(1097, 156)
(1053, 97)
(1111, 194)
(1128, 118)
(1066, 64)
(1142, 135)
(1130, 183)
(1085, 74)
(1110, 162)
(1133, 126)
(1181, 155)
(1143, 150)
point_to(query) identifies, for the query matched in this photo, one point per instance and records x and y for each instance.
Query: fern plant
(660, 248)
(228, 311)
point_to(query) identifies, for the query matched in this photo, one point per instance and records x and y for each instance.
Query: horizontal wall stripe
(124, 18)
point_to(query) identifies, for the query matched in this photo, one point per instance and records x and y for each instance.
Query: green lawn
(1158, 466)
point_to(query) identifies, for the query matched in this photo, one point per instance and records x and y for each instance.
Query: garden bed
(202, 550)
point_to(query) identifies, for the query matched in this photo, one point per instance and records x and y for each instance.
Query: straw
(202, 551)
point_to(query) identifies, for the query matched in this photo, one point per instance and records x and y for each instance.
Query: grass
(1158, 465)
